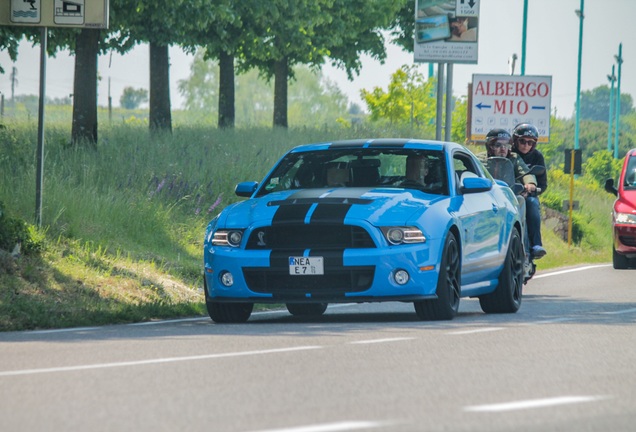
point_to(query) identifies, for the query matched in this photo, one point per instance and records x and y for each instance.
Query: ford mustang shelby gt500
(367, 221)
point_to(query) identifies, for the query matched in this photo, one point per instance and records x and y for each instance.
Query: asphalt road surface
(565, 362)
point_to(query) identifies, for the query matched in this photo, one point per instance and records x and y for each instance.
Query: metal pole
(449, 102)
(523, 37)
(40, 151)
(440, 101)
(581, 16)
(619, 60)
(611, 79)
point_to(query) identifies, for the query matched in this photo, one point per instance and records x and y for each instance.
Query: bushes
(15, 231)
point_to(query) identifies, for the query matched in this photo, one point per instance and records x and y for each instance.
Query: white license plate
(299, 266)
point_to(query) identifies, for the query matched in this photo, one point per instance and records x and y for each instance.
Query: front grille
(293, 236)
(280, 283)
(627, 240)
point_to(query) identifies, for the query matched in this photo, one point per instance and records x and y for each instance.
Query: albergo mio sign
(503, 101)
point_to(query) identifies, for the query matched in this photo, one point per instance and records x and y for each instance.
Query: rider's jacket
(532, 158)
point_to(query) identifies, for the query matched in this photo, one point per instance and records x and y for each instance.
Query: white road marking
(556, 273)
(620, 312)
(329, 427)
(72, 329)
(550, 321)
(533, 403)
(481, 330)
(372, 341)
(153, 361)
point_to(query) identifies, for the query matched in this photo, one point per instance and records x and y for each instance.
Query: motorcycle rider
(524, 144)
(499, 144)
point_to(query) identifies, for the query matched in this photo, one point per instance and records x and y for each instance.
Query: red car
(624, 214)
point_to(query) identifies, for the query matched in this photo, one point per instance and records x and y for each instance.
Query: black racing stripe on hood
(291, 214)
(330, 213)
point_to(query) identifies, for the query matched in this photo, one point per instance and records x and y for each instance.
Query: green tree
(602, 166)
(408, 100)
(312, 99)
(161, 23)
(308, 32)
(595, 103)
(131, 98)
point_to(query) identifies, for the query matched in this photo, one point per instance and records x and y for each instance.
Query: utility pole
(619, 60)
(612, 79)
(14, 83)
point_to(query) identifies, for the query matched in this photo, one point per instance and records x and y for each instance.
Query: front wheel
(446, 305)
(507, 297)
(223, 313)
(620, 262)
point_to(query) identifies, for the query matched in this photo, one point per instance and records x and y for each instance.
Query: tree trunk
(160, 116)
(226, 90)
(281, 73)
(85, 87)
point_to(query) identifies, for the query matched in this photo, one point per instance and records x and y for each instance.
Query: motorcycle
(501, 169)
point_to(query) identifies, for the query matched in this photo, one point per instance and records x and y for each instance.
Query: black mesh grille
(281, 283)
(291, 236)
(627, 240)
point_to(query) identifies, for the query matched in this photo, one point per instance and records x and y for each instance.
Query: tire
(306, 309)
(227, 313)
(507, 296)
(620, 262)
(448, 291)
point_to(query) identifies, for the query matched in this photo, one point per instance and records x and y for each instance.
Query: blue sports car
(370, 220)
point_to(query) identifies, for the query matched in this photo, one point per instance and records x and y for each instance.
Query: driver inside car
(416, 170)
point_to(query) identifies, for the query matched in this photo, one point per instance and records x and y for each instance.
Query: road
(565, 362)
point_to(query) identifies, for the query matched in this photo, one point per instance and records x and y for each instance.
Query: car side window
(463, 163)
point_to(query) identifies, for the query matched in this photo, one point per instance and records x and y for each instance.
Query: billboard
(446, 31)
(504, 101)
(55, 13)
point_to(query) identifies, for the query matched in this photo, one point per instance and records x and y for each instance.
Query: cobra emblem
(261, 238)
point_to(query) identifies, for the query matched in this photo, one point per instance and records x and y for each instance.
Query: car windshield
(630, 174)
(386, 168)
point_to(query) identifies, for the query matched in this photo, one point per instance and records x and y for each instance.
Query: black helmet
(493, 136)
(525, 130)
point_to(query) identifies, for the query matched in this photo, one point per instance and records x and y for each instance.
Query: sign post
(43, 14)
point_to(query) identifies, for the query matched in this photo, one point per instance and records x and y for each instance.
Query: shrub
(14, 231)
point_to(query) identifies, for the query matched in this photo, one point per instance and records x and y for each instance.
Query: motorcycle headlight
(403, 235)
(227, 238)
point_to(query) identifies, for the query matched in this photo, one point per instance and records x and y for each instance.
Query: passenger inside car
(337, 176)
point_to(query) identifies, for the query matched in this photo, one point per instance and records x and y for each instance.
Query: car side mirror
(475, 184)
(246, 189)
(609, 187)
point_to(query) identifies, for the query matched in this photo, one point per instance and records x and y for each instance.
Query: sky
(552, 46)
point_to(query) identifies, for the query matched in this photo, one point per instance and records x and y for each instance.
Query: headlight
(401, 235)
(625, 218)
(227, 238)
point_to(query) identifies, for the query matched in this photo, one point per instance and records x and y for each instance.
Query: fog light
(227, 279)
(401, 277)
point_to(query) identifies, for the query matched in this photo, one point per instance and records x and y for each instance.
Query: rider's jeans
(533, 220)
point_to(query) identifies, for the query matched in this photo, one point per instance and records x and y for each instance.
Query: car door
(481, 222)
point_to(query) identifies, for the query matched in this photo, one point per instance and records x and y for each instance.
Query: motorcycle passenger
(498, 143)
(524, 144)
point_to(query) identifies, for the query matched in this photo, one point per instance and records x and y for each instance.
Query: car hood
(378, 206)
(626, 203)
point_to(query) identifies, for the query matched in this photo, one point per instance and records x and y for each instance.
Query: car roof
(407, 143)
